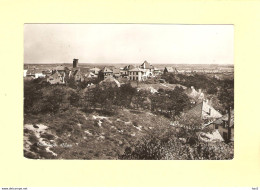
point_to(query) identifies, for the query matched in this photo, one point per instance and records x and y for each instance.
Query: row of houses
(60, 74)
(135, 73)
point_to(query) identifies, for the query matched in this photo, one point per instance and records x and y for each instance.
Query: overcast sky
(128, 43)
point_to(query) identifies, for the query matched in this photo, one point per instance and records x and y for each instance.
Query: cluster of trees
(44, 98)
(209, 84)
(167, 102)
(170, 102)
(78, 85)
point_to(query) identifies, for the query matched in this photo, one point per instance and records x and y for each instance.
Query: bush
(158, 146)
(48, 136)
(33, 138)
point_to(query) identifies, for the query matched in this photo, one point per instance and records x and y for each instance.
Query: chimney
(75, 63)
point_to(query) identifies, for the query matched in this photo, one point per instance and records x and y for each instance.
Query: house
(90, 75)
(109, 82)
(94, 70)
(104, 73)
(196, 96)
(221, 125)
(148, 69)
(39, 75)
(60, 68)
(124, 72)
(47, 73)
(25, 72)
(77, 75)
(116, 73)
(169, 70)
(35, 73)
(56, 78)
(156, 71)
(137, 74)
(205, 112)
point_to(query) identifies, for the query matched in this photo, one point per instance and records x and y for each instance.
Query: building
(104, 73)
(94, 70)
(47, 73)
(124, 72)
(75, 63)
(56, 78)
(195, 96)
(77, 75)
(137, 74)
(205, 112)
(35, 73)
(90, 75)
(221, 125)
(109, 82)
(169, 70)
(148, 69)
(116, 73)
(156, 71)
(25, 72)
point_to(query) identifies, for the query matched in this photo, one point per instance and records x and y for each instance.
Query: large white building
(136, 74)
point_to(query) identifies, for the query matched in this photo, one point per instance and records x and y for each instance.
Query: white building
(137, 74)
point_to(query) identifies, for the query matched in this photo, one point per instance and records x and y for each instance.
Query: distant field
(159, 66)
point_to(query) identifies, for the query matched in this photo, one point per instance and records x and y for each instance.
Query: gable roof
(136, 70)
(204, 111)
(55, 75)
(106, 70)
(128, 67)
(116, 70)
(146, 65)
(89, 75)
(95, 69)
(110, 80)
(169, 69)
(225, 118)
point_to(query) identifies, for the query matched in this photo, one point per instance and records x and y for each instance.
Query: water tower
(75, 63)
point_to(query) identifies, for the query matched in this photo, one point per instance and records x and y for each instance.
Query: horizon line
(138, 63)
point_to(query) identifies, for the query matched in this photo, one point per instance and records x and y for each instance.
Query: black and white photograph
(128, 92)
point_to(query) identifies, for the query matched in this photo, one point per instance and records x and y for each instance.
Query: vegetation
(199, 81)
(111, 122)
(176, 143)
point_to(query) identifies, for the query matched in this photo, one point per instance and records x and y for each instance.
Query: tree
(226, 97)
(74, 98)
(190, 122)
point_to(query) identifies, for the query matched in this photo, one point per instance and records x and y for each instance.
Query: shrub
(158, 146)
(33, 138)
(48, 136)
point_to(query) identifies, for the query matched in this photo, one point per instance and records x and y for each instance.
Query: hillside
(86, 135)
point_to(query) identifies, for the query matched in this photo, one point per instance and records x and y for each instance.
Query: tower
(75, 63)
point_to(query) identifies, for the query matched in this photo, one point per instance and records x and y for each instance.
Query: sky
(128, 43)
